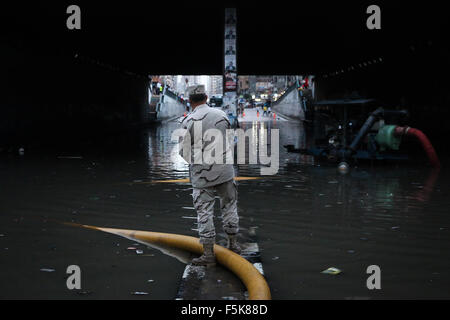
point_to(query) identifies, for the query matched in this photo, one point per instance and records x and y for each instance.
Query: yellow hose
(253, 280)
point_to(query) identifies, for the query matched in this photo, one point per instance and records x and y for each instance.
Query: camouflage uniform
(211, 180)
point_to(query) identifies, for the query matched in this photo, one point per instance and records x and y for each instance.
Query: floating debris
(332, 271)
(275, 258)
(70, 157)
(395, 228)
(229, 298)
(139, 252)
(131, 248)
(333, 181)
(84, 292)
(47, 270)
(350, 251)
(150, 281)
(139, 293)
(188, 208)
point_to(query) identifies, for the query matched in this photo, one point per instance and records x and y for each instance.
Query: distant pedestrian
(306, 84)
(158, 88)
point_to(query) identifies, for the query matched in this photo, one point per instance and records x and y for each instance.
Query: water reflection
(372, 188)
(163, 160)
(308, 217)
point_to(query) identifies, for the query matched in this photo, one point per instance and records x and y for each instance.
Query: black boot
(208, 257)
(233, 244)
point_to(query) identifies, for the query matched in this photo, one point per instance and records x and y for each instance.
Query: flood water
(308, 218)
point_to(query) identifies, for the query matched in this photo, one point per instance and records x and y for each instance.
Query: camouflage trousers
(204, 200)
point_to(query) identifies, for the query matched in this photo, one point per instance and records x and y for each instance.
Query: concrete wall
(47, 99)
(289, 105)
(170, 108)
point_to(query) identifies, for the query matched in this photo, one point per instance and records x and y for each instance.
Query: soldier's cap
(195, 89)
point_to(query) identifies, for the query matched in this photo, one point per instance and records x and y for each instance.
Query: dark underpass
(78, 144)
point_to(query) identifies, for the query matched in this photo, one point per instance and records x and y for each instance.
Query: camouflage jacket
(204, 170)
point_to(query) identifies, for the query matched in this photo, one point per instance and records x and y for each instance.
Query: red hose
(426, 144)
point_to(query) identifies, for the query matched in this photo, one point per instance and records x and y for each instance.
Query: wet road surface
(308, 218)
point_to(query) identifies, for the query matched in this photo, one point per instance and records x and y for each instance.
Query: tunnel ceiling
(273, 38)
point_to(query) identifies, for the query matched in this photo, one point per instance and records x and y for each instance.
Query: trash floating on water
(139, 252)
(84, 292)
(131, 248)
(275, 258)
(351, 251)
(188, 208)
(151, 280)
(333, 181)
(395, 228)
(70, 157)
(139, 293)
(189, 217)
(332, 271)
(47, 270)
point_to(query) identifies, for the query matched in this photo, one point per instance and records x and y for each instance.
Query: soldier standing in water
(209, 180)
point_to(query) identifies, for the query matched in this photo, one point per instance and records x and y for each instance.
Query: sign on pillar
(230, 65)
